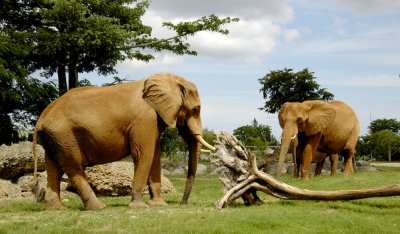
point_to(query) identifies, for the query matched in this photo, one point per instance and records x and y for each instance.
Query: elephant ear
(282, 114)
(320, 117)
(165, 93)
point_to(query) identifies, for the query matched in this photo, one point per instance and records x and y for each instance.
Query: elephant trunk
(288, 134)
(194, 153)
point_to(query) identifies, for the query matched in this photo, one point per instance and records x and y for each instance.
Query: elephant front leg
(306, 162)
(154, 181)
(143, 161)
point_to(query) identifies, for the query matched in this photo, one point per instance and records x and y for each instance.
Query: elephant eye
(196, 109)
(299, 121)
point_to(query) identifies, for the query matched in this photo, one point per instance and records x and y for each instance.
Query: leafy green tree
(280, 86)
(257, 135)
(87, 35)
(208, 136)
(385, 124)
(382, 142)
(22, 98)
(386, 145)
(170, 142)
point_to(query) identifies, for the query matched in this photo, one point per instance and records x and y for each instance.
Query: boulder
(201, 169)
(9, 190)
(115, 179)
(17, 159)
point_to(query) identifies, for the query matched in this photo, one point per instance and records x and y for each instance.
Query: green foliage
(385, 124)
(171, 142)
(208, 136)
(280, 86)
(382, 142)
(89, 35)
(381, 145)
(22, 98)
(257, 135)
(374, 215)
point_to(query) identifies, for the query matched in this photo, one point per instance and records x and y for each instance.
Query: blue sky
(353, 48)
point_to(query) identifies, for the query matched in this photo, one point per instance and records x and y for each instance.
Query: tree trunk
(72, 75)
(243, 179)
(62, 80)
(390, 153)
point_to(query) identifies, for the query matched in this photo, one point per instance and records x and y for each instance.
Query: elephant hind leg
(54, 174)
(318, 169)
(348, 161)
(77, 178)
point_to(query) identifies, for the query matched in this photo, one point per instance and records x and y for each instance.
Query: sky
(352, 46)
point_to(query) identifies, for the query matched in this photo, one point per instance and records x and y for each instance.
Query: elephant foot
(94, 205)
(138, 205)
(55, 206)
(305, 178)
(157, 202)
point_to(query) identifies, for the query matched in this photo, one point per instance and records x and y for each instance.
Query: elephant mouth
(204, 143)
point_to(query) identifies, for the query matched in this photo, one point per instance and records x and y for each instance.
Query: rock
(201, 169)
(115, 179)
(9, 190)
(17, 159)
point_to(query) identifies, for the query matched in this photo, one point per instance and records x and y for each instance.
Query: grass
(373, 215)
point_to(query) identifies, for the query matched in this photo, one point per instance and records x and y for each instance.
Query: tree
(382, 142)
(170, 142)
(88, 35)
(22, 98)
(280, 86)
(385, 124)
(208, 136)
(257, 135)
(386, 145)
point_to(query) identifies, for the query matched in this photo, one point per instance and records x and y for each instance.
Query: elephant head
(177, 102)
(309, 117)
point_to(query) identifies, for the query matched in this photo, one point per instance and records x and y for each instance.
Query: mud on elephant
(326, 127)
(96, 125)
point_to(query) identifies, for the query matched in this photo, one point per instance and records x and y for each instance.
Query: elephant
(318, 158)
(97, 125)
(326, 127)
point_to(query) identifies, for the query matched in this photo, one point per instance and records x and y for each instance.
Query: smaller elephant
(318, 158)
(324, 127)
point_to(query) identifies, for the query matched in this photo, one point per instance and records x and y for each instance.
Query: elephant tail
(35, 186)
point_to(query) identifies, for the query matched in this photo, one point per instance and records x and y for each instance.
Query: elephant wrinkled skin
(318, 158)
(96, 125)
(325, 127)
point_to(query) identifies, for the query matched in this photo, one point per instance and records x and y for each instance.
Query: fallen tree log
(243, 179)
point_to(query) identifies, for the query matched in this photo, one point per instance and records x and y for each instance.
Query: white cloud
(254, 36)
(131, 66)
(248, 40)
(291, 34)
(278, 11)
(371, 7)
(380, 80)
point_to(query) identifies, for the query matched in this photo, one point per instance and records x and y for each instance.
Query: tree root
(243, 179)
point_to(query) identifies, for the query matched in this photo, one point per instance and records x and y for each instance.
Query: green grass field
(373, 215)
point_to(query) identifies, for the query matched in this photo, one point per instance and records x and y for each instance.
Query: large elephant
(318, 158)
(326, 127)
(96, 125)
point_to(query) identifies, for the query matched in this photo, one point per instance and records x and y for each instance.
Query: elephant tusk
(204, 143)
(293, 137)
(204, 151)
